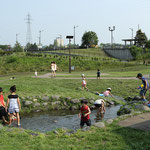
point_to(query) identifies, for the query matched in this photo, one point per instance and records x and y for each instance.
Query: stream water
(48, 121)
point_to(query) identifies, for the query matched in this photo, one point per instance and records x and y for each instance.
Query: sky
(57, 17)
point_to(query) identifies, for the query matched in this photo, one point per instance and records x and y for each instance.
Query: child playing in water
(100, 105)
(145, 86)
(14, 105)
(84, 84)
(85, 114)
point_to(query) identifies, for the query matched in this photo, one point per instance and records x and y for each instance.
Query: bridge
(119, 53)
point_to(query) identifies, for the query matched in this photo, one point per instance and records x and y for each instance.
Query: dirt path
(48, 75)
(141, 122)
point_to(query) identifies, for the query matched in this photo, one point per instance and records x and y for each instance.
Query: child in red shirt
(85, 114)
(3, 113)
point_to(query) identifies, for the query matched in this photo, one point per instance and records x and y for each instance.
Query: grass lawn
(28, 86)
(112, 137)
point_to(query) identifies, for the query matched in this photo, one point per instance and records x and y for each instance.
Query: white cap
(82, 75)
(109, 89)
(99, 101)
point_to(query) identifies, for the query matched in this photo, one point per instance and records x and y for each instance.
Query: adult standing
(55, 68)
(52, 69)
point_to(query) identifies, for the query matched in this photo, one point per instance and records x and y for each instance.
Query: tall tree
(89, 39)
(141, 37)
(17, 47)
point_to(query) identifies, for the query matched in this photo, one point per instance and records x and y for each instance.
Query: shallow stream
(48, 121)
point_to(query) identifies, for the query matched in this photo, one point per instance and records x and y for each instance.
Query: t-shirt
(144, 83)
(98, 73)
(84, 110)
(2, 100)
(13, 103)
(83, 82)
(106, 93)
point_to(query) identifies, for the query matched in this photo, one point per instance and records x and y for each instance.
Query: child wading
(145, 86)
(85, 114)
(100, 105)
(3, 113)
(14, 105)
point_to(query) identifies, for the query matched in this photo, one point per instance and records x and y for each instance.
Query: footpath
(48, 75)
(141, 122)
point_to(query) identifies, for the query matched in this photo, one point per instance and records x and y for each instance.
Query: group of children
(8, 114)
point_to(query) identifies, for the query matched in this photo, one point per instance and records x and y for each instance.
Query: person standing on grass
(52, 69)
(98, 74)
(55, 68)
(84, 84)
(145, 87)
(85, 114)
(3, 113)
(14, 105)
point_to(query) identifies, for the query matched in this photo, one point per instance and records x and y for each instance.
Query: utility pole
(40, 44)
(28, 35)
(111, 30)
(17, 37)
(75, 35)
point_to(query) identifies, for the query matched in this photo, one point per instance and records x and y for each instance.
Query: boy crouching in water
(100, 105)
(85, 114)
(14, 105)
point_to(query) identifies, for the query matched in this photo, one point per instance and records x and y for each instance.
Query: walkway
(141, 122)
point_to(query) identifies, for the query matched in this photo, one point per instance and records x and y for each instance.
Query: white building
(59, 42)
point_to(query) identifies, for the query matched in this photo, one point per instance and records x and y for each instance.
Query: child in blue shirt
(145, 86)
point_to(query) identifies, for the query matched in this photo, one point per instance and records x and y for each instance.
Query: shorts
(101, 94)
(88, 122)
(83, 85)
(143, 92)
(3, 112)
(98, 75)
(13, 110)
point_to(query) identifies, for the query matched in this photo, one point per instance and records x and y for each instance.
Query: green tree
(147, 45)
(136, 52)
(17, 48)
(30, 46)
(141, 37)
(89, 39)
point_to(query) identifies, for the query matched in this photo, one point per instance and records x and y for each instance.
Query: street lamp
(132, 31)
(75, 34)
(69, 37)
(111, 30)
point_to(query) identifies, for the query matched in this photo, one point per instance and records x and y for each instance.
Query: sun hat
(109, 89)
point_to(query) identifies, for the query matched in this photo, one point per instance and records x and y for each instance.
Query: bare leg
(4, 120)
(18, 119)
(10, 119)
